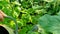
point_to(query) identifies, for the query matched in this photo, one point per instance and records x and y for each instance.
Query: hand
(2, 15)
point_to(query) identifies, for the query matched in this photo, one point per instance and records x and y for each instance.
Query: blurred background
(27, 13)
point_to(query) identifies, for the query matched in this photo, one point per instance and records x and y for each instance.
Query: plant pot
(5, 29)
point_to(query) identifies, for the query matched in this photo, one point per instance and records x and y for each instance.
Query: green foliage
(50, 23)
(29, 12)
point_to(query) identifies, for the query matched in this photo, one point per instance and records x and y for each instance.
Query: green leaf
(50, 23)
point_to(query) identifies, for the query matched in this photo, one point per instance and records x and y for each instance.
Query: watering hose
(16, 26)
